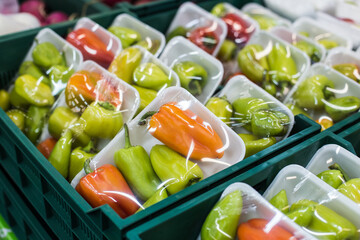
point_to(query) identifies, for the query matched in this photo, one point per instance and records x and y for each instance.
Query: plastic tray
(185, 221)
(180, 49)
(289, 36)
(58, 204)
(22, 221)
(315, 29)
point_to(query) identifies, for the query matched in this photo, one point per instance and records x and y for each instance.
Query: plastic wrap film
(147, 74)
(242, 213)
(344, 61)
(313, 49)
(294, 9)
(345, 27)
(348, 10)
(41, 77)
(315, 206)
(199, 72)
(199, 26)
(272, 63)
(256, 116)
(339, 168)
(132, 32)
(94, 42)
(325, 95)
(172, 144)
(265, 17)
(240, 28)
(321, 32)
(90, 112)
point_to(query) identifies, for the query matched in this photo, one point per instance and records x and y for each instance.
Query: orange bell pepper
(91, 46)
(185, 133)
(84, 87)
(255, 229)
(106, 185)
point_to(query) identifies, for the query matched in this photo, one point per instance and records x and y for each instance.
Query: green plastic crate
(345, 124)
(185, 221)
(352, 134)
(23, 222)
(69, 215)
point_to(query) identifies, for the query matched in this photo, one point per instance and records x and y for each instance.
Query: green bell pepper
(59, 76)
(178, 31)
(127, 36)
(60, 155)
(193, 77)
(348, 69)
(309, 49)
(101, 120)
(4, 100)
(149, 75)
(78, 157)
(221, 107)
(18, 117)
(244, 108)
(173, 169)
(46, 55)
(35, 122)
(60, 120)
(151, 45)
(254, 145)
(222, 221)
(134, 163)
(29, 90)
(227, 51)
(28, 67)
(328, 44)
(146, 97)
(340, 108)
(158, 196)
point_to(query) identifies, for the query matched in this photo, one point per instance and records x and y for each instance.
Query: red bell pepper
(91, 46)
(205, 38)
(256, 229)
(238, 30)
(84, 87)
(106, 185)
(46, 146)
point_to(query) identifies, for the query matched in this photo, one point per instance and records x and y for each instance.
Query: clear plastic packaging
(241, 202)
(341, 27)
(348, 10)
(339, 168)
(314, 205)
(265, 18)
(199, 26)
(321, 33)
(314, 50)
(240, 27)
(344, 61)
(197, 145)
(94, 42)
(259, 118)
(147, 74)
(325, 95)
(199, 72)
(90, 112)
(144, 34)
(272, 63)
(41, 78)
(292, 9)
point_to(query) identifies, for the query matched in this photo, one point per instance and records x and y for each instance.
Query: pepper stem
(87, 167)
(107, 106)
(145, 116)
(90, 148)
(194, 87)
(336, 166)
(127, 137)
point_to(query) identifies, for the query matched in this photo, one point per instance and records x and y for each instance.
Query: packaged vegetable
(325, 93)
(156, 163)
(199, 72)
(89, 113)
(257, 117)
(200, 27)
